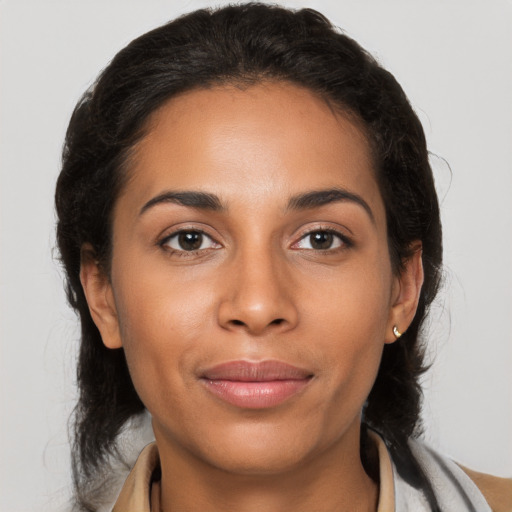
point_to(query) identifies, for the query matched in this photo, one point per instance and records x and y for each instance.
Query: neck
(332, 480)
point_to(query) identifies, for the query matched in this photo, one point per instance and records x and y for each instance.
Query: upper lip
(260, 371)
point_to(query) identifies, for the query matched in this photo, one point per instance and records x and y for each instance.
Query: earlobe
(100, 298)
(407, 295)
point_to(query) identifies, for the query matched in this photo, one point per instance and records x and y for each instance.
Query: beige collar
(138, 492)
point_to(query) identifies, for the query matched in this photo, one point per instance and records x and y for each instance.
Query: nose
(257, 296)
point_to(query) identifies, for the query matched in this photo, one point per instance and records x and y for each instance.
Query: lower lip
(255, 395)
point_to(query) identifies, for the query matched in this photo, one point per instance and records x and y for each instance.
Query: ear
(100, 298)
(406, 294)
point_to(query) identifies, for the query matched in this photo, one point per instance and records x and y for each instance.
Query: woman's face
(251, 283)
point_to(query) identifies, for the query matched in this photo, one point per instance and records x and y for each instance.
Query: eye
(189, 241)
(321, 240)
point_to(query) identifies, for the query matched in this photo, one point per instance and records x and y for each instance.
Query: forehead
(266, 142)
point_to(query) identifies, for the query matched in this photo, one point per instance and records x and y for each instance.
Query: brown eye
(189, 241)
(321, 240)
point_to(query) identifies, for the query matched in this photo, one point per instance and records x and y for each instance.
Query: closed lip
(260, 371)
(255, 385)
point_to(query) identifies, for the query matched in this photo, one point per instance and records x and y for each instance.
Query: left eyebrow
(200, 200)
(319, 198)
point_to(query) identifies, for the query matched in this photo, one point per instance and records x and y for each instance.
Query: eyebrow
(200, 200)
(324, 197)
(306, 201)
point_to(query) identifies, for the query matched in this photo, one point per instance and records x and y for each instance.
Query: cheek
(160, 305)
(352, 316)
(353, 302)
(350, 362)
(162, 322)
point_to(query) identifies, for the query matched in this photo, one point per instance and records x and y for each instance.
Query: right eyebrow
(200, 200)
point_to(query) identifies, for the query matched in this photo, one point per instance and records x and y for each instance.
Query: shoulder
(497, 491)
(451, 479)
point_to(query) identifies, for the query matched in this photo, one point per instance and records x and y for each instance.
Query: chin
(260, 460)
(258, 449)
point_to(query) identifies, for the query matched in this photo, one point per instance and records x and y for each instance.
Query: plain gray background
(453, 59)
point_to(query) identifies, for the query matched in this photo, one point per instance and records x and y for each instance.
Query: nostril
(277, 321)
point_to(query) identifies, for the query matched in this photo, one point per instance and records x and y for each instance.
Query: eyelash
(346, 242)
(182, 252)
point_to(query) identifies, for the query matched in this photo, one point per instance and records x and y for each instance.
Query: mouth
(255, 385)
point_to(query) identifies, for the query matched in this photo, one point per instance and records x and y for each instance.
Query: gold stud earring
(396, 332)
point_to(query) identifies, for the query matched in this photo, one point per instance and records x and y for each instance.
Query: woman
(251, 235)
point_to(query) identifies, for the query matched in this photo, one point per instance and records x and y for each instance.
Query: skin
(257, 289)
